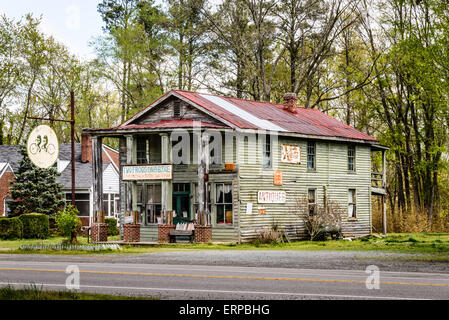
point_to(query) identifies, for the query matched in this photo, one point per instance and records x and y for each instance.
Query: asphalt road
(201, 282)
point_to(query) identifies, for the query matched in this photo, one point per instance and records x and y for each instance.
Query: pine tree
(35, 190)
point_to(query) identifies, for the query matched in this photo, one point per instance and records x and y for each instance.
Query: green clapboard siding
(331, 171)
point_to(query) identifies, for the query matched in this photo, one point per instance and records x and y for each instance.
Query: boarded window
(352, 208)
(312, 201)
(223, 203)
(177, 110)
(311, 155)
(351, 158)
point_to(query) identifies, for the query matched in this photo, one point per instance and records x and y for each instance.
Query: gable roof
(241, 114)
(5, 167)
(83, 171)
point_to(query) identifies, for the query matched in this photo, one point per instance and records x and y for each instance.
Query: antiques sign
(272, 197)
(291, 154)
(140, 173)
(43, 147)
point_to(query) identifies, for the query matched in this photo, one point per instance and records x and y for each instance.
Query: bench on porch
(183, 230)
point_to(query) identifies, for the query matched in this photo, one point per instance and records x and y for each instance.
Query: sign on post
(43, 147)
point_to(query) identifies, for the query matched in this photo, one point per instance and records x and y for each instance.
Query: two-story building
(245, 163)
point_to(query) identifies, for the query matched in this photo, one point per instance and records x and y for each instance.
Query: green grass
(425, 243)
(34, 292)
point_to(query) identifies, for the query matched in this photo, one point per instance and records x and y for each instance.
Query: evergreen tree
(35, 190)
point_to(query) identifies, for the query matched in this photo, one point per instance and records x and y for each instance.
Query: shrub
(112, 226)
(69, 223)
(35, 226)
(324, 222)
(11, 228)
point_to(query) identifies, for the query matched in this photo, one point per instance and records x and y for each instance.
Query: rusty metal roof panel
(305, 121)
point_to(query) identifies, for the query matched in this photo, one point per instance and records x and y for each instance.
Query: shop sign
(146, 173)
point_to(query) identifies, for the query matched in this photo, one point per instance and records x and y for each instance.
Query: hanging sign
(141, 173)
(272, 197)
(291, 154)
(43, 147)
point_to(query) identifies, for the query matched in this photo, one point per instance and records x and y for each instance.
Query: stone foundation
(99, 232)
(131, 233)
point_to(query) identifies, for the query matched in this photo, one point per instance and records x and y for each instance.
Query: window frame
(267, 152)
(311, 144)
(353, 157)
(224, 203)
(68, 200)
(352, 203)
(5, 206)
(309, 204)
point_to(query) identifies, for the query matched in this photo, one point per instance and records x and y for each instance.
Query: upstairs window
(311, 155)
(142, 151)
(177, 110)
(267, 152)
(351, 158)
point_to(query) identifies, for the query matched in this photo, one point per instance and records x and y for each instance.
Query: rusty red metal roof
(305, 121)
(245, 114)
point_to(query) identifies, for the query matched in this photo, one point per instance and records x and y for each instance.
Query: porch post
(97, 175)
(167, 186)
(203, 170)
(131, 197)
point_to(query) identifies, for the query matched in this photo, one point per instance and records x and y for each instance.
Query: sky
(72, 22)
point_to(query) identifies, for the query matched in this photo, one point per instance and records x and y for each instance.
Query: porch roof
(166, 124)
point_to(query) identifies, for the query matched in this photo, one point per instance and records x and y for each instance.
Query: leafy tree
(35, 189)
(69, 223)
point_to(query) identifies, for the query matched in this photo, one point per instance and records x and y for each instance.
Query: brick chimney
(291, 102)
(86, 148)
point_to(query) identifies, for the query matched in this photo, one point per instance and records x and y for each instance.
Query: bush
(11, 228)
(112, 226)
(35, 226)
(69, 223)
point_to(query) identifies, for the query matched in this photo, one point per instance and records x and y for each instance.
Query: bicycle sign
(43, 147)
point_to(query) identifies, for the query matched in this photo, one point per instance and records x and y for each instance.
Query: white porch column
(167, 186)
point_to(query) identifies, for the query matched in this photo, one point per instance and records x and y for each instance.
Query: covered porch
(162, 187)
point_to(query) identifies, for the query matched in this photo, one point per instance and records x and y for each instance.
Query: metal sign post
(72, 122)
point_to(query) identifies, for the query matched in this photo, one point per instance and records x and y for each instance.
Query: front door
(181, 202)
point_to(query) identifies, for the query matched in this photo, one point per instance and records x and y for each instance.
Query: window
(267, 152)
(312, 201)
(223, 203)
(7, 209)
(154, 203)
(352, 199)
(311, 155)
(351, 158)
(82, 203)
(177, 109)
(142, 151)
(109, 201)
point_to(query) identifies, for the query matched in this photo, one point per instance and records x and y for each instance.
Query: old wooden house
(244, 163)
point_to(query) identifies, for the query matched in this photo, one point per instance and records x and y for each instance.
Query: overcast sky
(72, 22)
